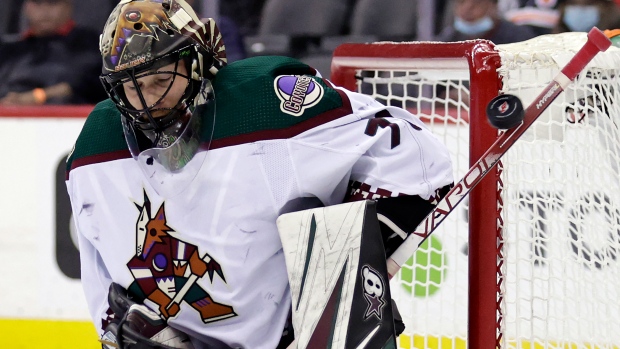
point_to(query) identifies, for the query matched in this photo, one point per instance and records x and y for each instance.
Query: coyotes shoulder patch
(297, 93)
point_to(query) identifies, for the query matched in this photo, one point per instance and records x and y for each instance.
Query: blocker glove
(139, 327)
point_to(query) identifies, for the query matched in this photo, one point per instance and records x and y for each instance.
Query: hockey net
(532, 258)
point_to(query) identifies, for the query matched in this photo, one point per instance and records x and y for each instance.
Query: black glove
(138, 327)
(400, 215)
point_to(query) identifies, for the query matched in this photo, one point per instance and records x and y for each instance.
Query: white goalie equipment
(337, 272)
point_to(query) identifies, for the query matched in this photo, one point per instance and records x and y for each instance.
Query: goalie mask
(158, 59)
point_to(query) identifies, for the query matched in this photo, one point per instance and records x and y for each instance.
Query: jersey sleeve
(377, 151)
(95, 278)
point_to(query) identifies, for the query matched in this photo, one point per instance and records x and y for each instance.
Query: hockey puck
(505, 111)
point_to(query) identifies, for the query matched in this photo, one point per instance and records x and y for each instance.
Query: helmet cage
(142, 117)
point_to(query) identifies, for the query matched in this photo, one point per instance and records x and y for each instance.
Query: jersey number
(380, 121)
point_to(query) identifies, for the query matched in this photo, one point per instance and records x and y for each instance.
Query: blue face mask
(480, 26)
(581, 18)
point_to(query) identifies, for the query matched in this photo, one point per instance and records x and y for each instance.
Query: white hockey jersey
(284, 140)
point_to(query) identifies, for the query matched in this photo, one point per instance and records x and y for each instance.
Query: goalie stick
(596, 42)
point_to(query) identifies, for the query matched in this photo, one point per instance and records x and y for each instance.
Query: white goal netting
(557, 213)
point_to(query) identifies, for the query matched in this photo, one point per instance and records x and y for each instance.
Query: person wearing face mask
(479, 19)
(582, 15)
(540, 15)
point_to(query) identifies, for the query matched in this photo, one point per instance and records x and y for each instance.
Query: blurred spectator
(53, 62)
(540, 15)
(582, 15)
(479, 19)
(233, 38)
(13, 21)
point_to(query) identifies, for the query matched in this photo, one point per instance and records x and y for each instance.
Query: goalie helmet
(162, 43)
(139, 38)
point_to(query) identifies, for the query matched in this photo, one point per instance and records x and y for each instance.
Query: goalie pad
(138, 326)
(337, 271)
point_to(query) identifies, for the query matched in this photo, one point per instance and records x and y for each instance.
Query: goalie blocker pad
(337, 271)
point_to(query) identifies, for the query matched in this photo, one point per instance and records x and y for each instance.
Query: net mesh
(560, 204)
(562, 215)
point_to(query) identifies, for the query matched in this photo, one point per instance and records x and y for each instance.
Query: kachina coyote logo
(166, 269)
(373, 292)
(297, 93)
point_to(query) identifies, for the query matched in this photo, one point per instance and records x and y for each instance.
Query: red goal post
(525, 240)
